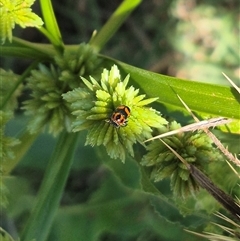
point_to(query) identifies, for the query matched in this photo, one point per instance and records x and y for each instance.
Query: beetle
(119, 116)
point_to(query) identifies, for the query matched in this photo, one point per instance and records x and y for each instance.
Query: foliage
(83, 99)
(94, 105)
(16, 12)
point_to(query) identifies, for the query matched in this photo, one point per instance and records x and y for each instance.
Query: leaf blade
(51, 23)
(202, 97)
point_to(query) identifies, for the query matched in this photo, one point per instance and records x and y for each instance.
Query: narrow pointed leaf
(207, 98)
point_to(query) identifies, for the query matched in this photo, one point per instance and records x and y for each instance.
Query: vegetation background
(196, 40)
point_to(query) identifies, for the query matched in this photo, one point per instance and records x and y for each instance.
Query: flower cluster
(7, 143)
(6, 154)
(49, 83)
(46, 105)
(94, 107)
(8, 100)
(8, 83)
(195, 148)
(75, 63)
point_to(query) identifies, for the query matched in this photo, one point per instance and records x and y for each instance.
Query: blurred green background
(191, 39)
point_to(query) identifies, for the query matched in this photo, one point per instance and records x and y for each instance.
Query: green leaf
(16, 12)
(25, 18)
(4, 236)
(120, 211)
(43, 213)
(214, 100)
(53, 31)
(6, 26)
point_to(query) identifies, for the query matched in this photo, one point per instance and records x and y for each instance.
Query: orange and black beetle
(119, 116)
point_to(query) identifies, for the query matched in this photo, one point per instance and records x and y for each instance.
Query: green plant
(75, 88)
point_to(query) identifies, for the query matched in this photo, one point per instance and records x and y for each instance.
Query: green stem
(5, 235)
(45, 49)
(55, 42)
(20, 80)
(52, 31)
(113, 24)
(224, 199)
(51, 38)
(43, 213)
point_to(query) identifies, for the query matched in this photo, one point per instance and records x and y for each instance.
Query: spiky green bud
(95, 105)
(6, 154)
(7, 142)
(195, 148)
(82, 61)
(47, 107)
(8, 85)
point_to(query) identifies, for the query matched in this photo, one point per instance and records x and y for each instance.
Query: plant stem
(43, 213)
(52, 31)
(45, 49)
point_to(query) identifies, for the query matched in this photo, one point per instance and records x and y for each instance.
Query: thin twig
(224, 150)
(232, 83)
(223, 198)
(200, 125)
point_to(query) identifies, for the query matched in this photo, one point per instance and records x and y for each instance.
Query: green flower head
(47, 84)
(9, 81)
(6, 154)
(46, 106)
(114, 114)
(82, 61)
(195, 148)
(7, 142)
